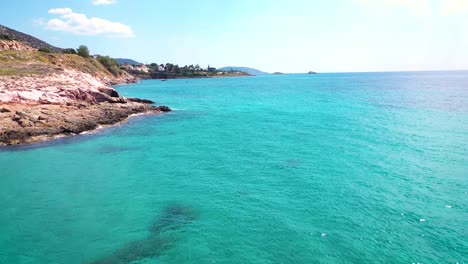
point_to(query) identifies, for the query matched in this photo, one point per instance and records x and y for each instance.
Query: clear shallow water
(329, 168)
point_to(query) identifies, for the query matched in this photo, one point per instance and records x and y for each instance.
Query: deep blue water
(328, 168)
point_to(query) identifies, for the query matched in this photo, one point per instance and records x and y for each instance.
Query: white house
(142, 68)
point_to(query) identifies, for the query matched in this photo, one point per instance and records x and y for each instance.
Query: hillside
(22, 63)
(248, 70)
(122, 61)
(45, 95)
(11, 34)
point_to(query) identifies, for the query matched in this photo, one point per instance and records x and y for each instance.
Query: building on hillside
(127, 67)
(142, 68)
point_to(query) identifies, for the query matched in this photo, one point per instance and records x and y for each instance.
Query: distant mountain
(248, 70)
(8, 33)
(128, 61)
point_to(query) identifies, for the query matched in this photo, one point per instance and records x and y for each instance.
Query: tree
(110, 64)
(83, 51)
(169, 67)
(6, 37)
(211, 69)
(154, 67)
(69, 51)
(45, 50)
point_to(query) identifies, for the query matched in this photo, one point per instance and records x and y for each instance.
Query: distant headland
(174, 71)
(248, 70)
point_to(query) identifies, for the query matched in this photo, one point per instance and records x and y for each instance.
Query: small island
(277, 73)
(311, 72)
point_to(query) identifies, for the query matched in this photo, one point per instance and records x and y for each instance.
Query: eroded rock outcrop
(68, 86)
(36, 107)
(23, 124)
(14, 45)
(43, 95)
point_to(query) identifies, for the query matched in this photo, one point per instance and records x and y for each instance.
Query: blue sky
(286, 36)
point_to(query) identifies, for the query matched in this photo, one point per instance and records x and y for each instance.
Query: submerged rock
(164, 108)
(172, 217)
(138, 100)
(137, 250)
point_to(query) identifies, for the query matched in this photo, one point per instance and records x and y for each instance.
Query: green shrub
(110, 64)
(45, 50)
(69, 51)
(6, 37)
(83, 51)
(115, 71)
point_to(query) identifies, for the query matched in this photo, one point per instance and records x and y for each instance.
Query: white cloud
(80, 24)
(103, 2)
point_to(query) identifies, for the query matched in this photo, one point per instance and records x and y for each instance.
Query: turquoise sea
(327, 168)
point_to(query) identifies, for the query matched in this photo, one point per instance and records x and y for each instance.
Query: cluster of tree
(110, 64)
(69, 51)
(82, 51)
(6, 37)
(45, 50)
(175, 68)
(170, 70)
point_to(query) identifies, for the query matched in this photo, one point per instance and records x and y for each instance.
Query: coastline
(45, 139)
(171, 77)
(26, 124)
(48, 95)
(40, 101)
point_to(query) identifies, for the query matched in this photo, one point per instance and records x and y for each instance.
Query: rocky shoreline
(25, 124)
(35, 108)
